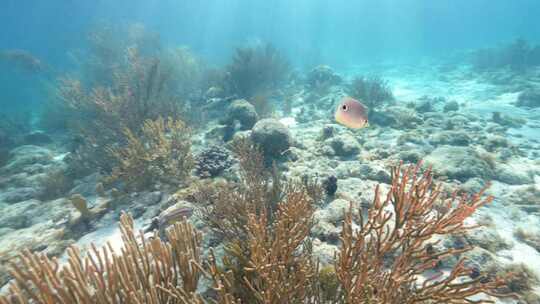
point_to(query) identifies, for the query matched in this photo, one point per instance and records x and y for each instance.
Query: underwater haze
(235, 151)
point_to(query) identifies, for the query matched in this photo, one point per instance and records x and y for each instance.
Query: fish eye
(344, 107)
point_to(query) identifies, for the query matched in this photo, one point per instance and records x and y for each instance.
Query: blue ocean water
(452, 83)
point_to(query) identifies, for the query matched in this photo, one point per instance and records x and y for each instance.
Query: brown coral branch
(145, 272)
(382, 260)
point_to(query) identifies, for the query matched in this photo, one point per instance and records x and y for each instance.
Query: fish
(23, 60)
(352, 113)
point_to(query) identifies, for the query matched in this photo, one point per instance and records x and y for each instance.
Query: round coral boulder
(272, 136)
(242, 111)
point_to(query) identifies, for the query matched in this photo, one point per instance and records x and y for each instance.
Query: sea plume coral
(256, 70)
(125, 84)
(141, 88)
(269, 257)
(382, 254)
(372, 91)
(381, 261)
(162, 153)
(278, 266)
(146, 271)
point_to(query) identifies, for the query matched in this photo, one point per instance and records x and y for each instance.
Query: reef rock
(147, 198)
(322, 76)
(453, 138)
(272, 136)
(40, 237)
(381, 118)
(451, 106)
(324, 252)
(459, 163)
(37, 138)
(15, 195)
(25, 157)
(344, 145)
(375, 172)
(334, 212)
(6, 140)
(242, 111)
(325, 231)
(87, 186)
(513, 174)
(424, 105)
(214, 92)
(529, 98)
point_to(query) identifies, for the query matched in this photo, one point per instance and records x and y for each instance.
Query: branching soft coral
(256, 70)
(162, 153)
(280, 269)
(382, 256)
(141, 89)
(381, 261)
(146, 271)
(372, 91)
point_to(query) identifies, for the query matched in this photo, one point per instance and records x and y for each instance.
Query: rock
(322, 76)
(473, 185)
(148, 198)
(6, 141)
(272, 136)
(242, 111)
(494, 142)
(27, 156)
(326, 232)
(410, 156)
(40, 237)
(423, 106)
(335, 210)
(459, 163)
(87, 186)
(529, 98)
(15, 221)
(454, 138)
(31, 212)
(381, 118)
(328, 131)
(450, 106)
(488, 239)
(324, 252)
(403, 117)
(456, 122)
(372, 172)
(344, 145)
(413, 137)
(15, 195)
(214, 92)
(4, 156)
(37, 138)
(507, 121)
(513, 175)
